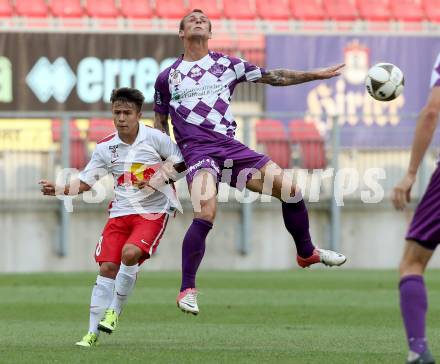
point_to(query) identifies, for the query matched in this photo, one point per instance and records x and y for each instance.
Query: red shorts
(138, 230)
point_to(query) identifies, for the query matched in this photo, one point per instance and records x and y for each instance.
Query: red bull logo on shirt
(137, 173)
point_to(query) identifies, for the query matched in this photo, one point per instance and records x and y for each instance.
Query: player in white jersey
(423, 234)
(138, 214)
(196, 91)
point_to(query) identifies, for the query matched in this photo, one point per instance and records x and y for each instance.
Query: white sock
(102, 295)
(124, 284)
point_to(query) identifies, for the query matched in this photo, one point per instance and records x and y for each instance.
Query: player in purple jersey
(424, 231)
(196, 91)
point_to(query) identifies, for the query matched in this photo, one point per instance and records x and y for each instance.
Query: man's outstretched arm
(284, 77)
(74, 188)
(426, 124)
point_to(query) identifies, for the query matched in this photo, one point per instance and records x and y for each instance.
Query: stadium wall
(372, 237)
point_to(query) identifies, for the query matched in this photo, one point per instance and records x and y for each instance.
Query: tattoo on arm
(283, 77)
(161, 123)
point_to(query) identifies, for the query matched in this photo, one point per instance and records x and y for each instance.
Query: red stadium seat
(342, 10)
(310, 143)
(78, 150)
(432, 10)
(67, 8)
(171, 9)
(56, 130)
(273, 9)
(239, 10)
(102, 9)
(374, 10)
(272, 135)
(34, 9)
(209, 7)
(406, 10)
(99, 129)
(5, 8)
(253, 49)
(307, 10)
(78, 154)
(136, 9)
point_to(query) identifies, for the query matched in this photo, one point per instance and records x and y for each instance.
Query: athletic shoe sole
(195, 313)
(106, 329)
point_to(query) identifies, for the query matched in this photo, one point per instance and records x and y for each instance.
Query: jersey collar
(142, 133)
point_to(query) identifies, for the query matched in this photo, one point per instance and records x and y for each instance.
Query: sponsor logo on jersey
(204, 163)
(199, 91)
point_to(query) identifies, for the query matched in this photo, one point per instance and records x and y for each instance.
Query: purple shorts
(425, 225)
(227, 159)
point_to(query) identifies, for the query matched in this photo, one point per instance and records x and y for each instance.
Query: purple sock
(296, 220)
(413, 305)
(193, 249)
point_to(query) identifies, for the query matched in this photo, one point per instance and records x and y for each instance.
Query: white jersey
(130, 164)
(435, 77)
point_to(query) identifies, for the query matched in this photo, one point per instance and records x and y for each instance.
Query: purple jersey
(435, 77)
(199, 93)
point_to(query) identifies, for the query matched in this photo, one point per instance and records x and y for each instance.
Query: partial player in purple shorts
(425, 224)
(212, 153)
(196, 91)
(424, 232)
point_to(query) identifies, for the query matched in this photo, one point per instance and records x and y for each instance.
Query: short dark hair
(127, 94)
(182, 22)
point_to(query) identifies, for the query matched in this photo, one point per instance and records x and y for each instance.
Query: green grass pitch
(320, 316)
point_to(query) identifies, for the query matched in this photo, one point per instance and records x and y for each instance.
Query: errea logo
(94, 78)
(48, 80)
